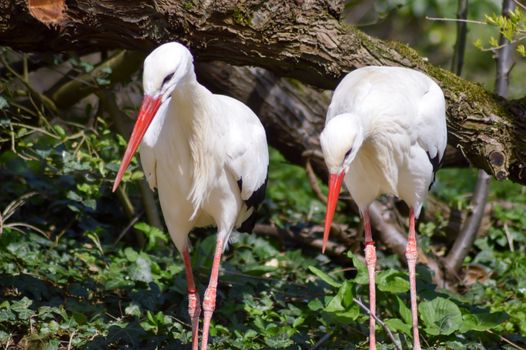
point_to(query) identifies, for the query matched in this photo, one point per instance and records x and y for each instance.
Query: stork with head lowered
(385, 133)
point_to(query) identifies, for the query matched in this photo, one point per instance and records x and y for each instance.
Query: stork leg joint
(209, 302)
(411, 251)
(370, 255)
(194, 306)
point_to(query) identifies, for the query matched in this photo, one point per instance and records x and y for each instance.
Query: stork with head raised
(385, 133)
(205, 153)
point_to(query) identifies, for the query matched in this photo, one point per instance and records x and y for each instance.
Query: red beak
(149, 108)
(335, 184)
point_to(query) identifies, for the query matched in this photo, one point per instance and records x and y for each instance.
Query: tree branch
(301, 39)
(468, 234)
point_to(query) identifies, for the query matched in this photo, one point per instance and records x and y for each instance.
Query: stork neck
(192, 102)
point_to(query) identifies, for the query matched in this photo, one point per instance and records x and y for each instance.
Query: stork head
(340, 141)
(165, 68)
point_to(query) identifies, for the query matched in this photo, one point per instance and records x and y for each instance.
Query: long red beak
(335, 184)
(149, 108)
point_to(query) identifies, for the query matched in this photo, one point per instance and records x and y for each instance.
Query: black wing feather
(255, 199)
(436, 162)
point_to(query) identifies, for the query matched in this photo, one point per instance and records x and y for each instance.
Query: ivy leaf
(440, 316)
(21, 307)
(482, 321)
(392, 281)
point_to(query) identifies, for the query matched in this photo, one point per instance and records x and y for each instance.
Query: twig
(17, 203)
(519, 4)
(444, 19)
(321, 341)
(506, 340)
(71, 339)
(312, 153)
(304, 238)
(504, 56)
(460, 44)
(8, 343)
(313, 180)
(127, 228)
(384, 326)
(509, 237)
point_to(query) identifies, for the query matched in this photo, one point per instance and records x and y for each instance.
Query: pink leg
(411, 255)
(209, 304)
(194, 307)
(370, 259)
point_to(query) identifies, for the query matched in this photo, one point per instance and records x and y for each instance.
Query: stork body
(385, 133)
(195, 152)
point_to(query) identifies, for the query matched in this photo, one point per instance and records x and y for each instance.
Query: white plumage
(205, 153)
(202, 178)
(385, 133)
(398, 118)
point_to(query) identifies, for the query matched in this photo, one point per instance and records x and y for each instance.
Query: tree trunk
(300, 39)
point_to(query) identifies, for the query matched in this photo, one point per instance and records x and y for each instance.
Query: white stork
(206, 154)
(385, 133)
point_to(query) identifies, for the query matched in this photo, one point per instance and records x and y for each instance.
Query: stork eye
(167, 78)
(347, 153)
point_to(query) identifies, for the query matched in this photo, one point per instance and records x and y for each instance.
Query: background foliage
(78, 271)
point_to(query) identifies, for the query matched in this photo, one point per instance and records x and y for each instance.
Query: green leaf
(153, 234)
(392, 281)
(404, 311)
(482, 321)
(59, 130)
(315, 305)
(21, 307)
(363, 276)
(440, 316)
(493, 42)
(325, 277)
(342, 305)
(397, 325)
(521, 49)
(94, 237)
(3, 103)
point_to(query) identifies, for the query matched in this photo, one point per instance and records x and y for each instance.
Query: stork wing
(246, 151)
(431, 125)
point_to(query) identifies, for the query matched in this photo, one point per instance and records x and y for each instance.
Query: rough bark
(301, 39)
